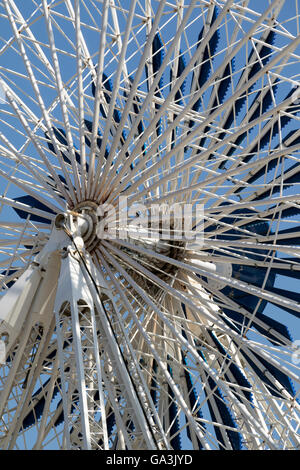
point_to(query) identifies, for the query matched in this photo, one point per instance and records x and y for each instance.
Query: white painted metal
(149, 343)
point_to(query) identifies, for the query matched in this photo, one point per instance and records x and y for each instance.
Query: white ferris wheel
(154, 338)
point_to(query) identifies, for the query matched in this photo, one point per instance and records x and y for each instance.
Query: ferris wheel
(150, 262)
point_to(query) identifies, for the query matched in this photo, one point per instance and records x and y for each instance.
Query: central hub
(86, 218)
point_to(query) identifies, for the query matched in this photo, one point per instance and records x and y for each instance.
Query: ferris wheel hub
(83, 222)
